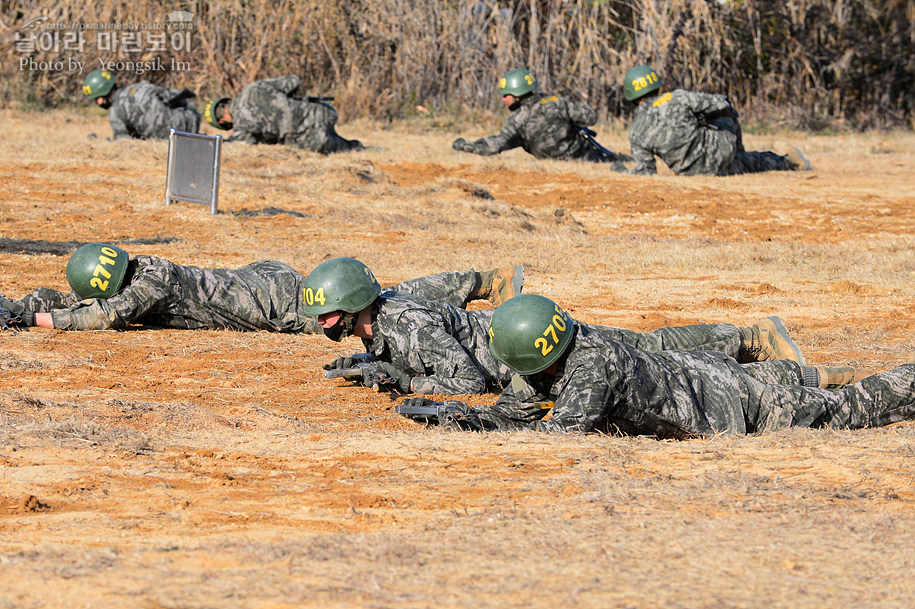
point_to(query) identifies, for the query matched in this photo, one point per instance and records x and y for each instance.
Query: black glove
(14, 314)
(458, 144)
(344, 362)
(385, 375)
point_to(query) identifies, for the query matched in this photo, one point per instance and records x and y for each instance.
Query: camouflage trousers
(317, 131)
(881, 399)
(737, 160)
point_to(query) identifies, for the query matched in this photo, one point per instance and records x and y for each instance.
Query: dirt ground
(195, 469)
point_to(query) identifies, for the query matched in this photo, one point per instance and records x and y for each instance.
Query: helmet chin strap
(343, 327)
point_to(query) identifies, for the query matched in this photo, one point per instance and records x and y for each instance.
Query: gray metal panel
(193, 168)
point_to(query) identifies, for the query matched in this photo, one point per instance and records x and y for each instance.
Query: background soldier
(274, 111)
(142, 110)
(433, 347)
(112, 290)
(596, 383)
(693, 133)
(546, 127)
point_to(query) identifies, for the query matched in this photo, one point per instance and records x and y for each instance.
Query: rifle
(612, 156)
(423, 410)
(177, 100)
(320, 98)
(355, 373)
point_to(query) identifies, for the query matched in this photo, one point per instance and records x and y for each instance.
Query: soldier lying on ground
(112, 290)
(142, 110)
(573, 379)
(275, 111)
(548, 127)
(693, 133)
(432, 347)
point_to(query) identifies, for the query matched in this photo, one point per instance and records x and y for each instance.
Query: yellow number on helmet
(529, 79)
(87, 90)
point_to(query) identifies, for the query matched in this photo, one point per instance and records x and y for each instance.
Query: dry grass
(185, 469)
(808, 63)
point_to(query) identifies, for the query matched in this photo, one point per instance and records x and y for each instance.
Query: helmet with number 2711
(97, 270)
(528, 333)
(340, 284)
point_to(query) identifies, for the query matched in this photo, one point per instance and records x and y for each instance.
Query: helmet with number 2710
(97, 270)
(529, 333)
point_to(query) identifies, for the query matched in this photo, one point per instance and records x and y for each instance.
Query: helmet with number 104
(528, 333)
(640, 81)
(97, 270)
(340, 284)
(517, 82)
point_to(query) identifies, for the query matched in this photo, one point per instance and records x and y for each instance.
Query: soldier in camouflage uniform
(142, 110)
(693, 133)
(571, 379)
(112, 290)
(275, 111)
(433, 347)
(548, 127)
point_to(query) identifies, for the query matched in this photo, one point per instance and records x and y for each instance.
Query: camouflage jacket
(443, 348)
(146, 111)
(605, 385)
(265, 295)
(545, 127)
(680, 128)
(275, 111)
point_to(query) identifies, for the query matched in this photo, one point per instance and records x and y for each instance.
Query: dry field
(179, 469)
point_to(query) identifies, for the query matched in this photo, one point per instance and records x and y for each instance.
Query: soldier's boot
(768, 340)
(826, 377)
(500, 284)
(796, 160)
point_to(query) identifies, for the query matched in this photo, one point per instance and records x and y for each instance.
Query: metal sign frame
(175, 191)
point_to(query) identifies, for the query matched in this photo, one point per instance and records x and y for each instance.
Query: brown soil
(174, 469)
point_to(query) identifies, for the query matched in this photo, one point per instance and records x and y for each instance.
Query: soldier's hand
(14, 314)
(459, 144)
(343, 362)
(384, 375)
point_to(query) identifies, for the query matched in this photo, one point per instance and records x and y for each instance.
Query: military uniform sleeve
(286, 85)
(453, 370)
(142, 296)
(582, 114)
(582, 401)
(707, 103)
(645, 163)
(119, 129)
(506, 139)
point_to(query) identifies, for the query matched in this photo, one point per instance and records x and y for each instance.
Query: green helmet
(97, 270)
(529, 333)
(517, 82)
(98, 83)
(640, 81)
(340, 284)
(211, 112)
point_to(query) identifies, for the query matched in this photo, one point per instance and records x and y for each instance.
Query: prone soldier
(273, 111)
(142, 110)
(572, 379)
(548, 127)
(112, 290)
(433, 347)
(693, 133)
